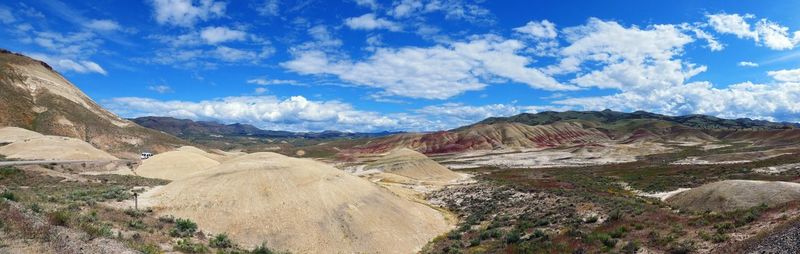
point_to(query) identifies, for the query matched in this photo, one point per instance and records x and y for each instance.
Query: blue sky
(415, 65)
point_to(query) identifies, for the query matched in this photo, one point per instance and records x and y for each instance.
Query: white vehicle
(146, 155)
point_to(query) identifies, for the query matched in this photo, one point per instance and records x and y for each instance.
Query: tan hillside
(414, 165)
(178, 164)
(28, 145)
(731, 195)
(489, 136)
(34, 97)
(299, 205)
(14, 134)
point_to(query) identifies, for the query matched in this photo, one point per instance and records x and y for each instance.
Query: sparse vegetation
(183, 228)
(221, 241)
(187, 246)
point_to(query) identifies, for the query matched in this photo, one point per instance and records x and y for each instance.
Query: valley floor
(615, 207)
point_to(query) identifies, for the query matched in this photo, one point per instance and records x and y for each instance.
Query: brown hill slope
(299, 205)
(34, 97)
(485, 136)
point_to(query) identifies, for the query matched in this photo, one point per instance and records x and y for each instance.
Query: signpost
(136, 201)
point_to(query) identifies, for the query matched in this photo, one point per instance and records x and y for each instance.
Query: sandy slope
(30, 145)
(731, 195)
(178, 164)
(414, 165)
(299, 205)
(14, 134)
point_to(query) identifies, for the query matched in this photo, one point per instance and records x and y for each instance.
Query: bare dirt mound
(414, 165)
(50, 148)
(731, 195)
(178, 164)
(14, 134)
(299, 205)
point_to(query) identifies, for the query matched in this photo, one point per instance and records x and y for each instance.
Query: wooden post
(136, 201)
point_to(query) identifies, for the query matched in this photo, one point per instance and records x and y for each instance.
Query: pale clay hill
(300, 205)
(34, 97)
(29, 145)
(730, 195)
(412, 164)
(178, 164)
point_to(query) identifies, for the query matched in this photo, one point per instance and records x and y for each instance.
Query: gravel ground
(783, 241)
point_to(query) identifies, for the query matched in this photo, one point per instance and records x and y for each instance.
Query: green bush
(137, 224)
(187, 246)
(183, 228)
(60, 218)
(147, 248)
(591, 219)
(262, 249)
(512, 236)
(95, 230)
(619, 232)
(221, 241)
(615, 215)
(8, 195)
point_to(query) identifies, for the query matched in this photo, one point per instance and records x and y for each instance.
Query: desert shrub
(8, 195)
(475, 242)
(167, 219)
(723, 227)
(604, 239)
(97, 230)
(513, 236)
(7, 172)
(36, 208)
(60, 218)
(137, 224)
(591, 219)
(183, 228)
(618, 233)
(221, 241)
(453, 235)
(262, 249)
(134, 213)
(615, 215)
(630, 248)
(187, 246)
(681, 247)
(147, 248)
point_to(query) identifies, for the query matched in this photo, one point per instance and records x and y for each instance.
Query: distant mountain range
(608, 116)
(569, 128)
(188, 129)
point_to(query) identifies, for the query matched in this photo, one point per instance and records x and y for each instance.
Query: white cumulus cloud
(538, 29)
(747, 64)
(103, 25)
(69, 65)
(216, 34)
(186, 12)
(370, 22)
(437, 72)
(791, 75)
